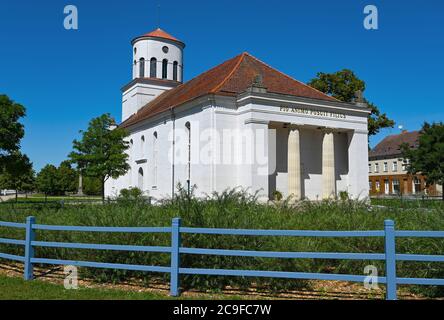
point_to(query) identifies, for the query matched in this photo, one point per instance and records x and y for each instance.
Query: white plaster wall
(138, 96)
(358, 187)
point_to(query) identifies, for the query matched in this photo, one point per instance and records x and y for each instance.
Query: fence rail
(175, 250)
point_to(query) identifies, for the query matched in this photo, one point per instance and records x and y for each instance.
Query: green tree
(17, 174)
(343, 85)
(101, 152)
(67, 177)
(92, 186)
(47, 180)
(428, 157)
(11, 130)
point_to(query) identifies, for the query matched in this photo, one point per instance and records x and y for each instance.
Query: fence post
(390, 259)
(29, 250)
(175, 257)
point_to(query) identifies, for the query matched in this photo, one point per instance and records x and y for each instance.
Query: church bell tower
(157, 66)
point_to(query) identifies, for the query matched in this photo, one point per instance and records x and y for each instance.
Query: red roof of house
(159, 33)
(389, 146)
(230, 78)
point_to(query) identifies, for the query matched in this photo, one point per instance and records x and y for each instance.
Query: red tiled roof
(389, 146)
(229, 78)
(159, 33)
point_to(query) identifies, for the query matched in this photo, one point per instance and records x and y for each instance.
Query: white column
(328, 166)
(294, 164)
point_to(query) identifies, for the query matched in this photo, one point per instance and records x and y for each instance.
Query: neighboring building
(239, 124)
(387, 169)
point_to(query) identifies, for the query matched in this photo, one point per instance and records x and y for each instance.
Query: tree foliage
(343, 85)
(101, 152)
(428, 157)
(11, 130)
(47, 180)
(67, 177)
(17, 173)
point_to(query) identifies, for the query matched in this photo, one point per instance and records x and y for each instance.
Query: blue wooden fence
(176, 230)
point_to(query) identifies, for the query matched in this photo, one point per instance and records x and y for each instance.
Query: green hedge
(233, 209)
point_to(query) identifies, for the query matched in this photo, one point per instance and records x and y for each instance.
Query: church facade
(240, 124)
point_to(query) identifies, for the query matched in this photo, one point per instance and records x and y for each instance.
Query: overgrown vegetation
(236, 209)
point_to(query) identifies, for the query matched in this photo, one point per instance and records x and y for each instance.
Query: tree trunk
(16, 196)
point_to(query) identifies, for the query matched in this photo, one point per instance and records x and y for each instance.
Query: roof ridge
(220, 85)
(289, 77)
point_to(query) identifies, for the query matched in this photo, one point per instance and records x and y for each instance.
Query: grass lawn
(18, 289)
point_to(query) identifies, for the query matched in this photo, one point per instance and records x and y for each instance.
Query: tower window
(164, 68)
(175, 70)
(153, 68)
(142, 68)
(165, 49)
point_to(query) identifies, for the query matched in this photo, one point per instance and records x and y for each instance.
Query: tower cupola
(158, 55)
(157, 67)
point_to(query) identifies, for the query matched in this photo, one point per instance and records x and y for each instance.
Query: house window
(395, 186)
(164, 68)
(395, 166)
(175, 64)
(376, 167)
(377, 186)
(369, 168)
(416, 185)
(142, 68)
(385, 166)
(370, 185)
(405, 164)
(153, 68)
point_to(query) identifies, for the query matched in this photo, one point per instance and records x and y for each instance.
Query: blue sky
(64, 78)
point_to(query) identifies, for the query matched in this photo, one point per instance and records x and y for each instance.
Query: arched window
(142, 68)
(175, 64)
(130, 149)
(188, 127)
(140, 179)
(164, 68)
(153, 68)
(142, 146)
(155, 159)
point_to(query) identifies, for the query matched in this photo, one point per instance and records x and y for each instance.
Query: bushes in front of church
(239, 210)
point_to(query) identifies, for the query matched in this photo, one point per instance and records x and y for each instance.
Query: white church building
(240, 124)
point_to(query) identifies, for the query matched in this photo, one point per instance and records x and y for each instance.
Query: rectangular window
(377, 186)
(376, 167)
(416, 185)
(385, 167)
(395, 186)
(369, 168)
(395, 166)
